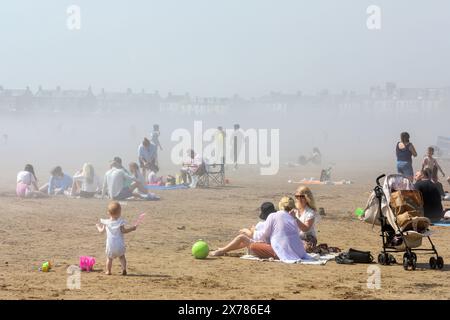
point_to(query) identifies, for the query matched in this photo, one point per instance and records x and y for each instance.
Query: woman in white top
(27, 183)
(306, 213)
(152, 178)
(248, 236)
(86, 181)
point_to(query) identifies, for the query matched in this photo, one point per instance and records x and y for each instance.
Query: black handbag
(359, 256)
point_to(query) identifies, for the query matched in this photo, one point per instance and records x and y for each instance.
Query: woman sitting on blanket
(307, 217)
(247, 236)
(280, 236)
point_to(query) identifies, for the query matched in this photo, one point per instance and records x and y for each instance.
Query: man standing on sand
(237, 144)
(219, 138)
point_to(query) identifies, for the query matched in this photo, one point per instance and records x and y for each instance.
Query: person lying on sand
(246, 236)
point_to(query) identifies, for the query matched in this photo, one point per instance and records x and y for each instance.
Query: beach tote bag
(372, 212)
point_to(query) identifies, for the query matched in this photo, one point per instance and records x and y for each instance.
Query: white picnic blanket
(317, 259)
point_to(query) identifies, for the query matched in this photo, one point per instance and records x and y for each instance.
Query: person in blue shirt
(146, 155)
(58, 183)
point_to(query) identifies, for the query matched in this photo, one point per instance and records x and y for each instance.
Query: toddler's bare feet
(108, 273)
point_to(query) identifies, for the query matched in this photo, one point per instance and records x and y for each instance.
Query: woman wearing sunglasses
(307, 217)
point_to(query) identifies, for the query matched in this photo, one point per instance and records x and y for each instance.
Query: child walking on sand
(432, 164)
(115, 243)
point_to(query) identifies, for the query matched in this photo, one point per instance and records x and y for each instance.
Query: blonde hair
(286, 203)
(88, 172)
(114, 208)
(308, 195)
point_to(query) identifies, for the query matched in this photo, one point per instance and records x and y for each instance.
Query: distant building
(17, 100)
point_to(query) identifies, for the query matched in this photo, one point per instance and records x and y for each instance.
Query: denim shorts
(405, 168)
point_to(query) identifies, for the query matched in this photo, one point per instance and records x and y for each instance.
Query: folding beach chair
(213, 174)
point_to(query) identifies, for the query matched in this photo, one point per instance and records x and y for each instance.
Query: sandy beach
(160, 262)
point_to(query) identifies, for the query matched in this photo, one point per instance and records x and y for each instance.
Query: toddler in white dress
(115, 243)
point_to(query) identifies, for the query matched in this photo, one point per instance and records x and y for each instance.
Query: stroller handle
(378, 179)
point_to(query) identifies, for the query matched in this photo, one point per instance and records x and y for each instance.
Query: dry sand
(159, 258)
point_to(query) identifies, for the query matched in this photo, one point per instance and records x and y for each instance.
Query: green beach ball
(200, 249)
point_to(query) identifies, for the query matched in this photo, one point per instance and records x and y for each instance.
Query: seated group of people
(288, 234)
(118, 183)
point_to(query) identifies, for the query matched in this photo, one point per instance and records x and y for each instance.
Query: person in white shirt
(152, 178)
(248, 236)
(27, 186)
(306, 213)
(85, 182)
(115, 243)
(117, 183)
(192, 168)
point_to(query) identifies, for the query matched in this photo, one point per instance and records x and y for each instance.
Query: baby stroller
(398, 209)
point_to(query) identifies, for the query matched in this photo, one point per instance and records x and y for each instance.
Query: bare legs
(76, 187)
(137, 185)
(44, 188)
(123, 263)
(240, 242)
(108, 266)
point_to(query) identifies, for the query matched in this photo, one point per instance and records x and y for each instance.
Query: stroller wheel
(405, 262)
(381, 259)
(413, 261)
(440, 262)
(391, 259)
(433, 263)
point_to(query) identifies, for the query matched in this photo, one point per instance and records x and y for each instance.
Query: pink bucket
(87, 263)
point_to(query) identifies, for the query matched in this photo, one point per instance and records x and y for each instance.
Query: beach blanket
(445, 223)
(175, 187)
(318, 259)
(318, 182)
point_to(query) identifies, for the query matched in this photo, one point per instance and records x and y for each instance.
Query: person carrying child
(115, 242)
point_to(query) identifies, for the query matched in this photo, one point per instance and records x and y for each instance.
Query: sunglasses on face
(300, 196)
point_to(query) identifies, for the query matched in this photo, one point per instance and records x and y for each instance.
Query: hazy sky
(222, 47)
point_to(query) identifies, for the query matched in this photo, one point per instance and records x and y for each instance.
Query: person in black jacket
(432, 205)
